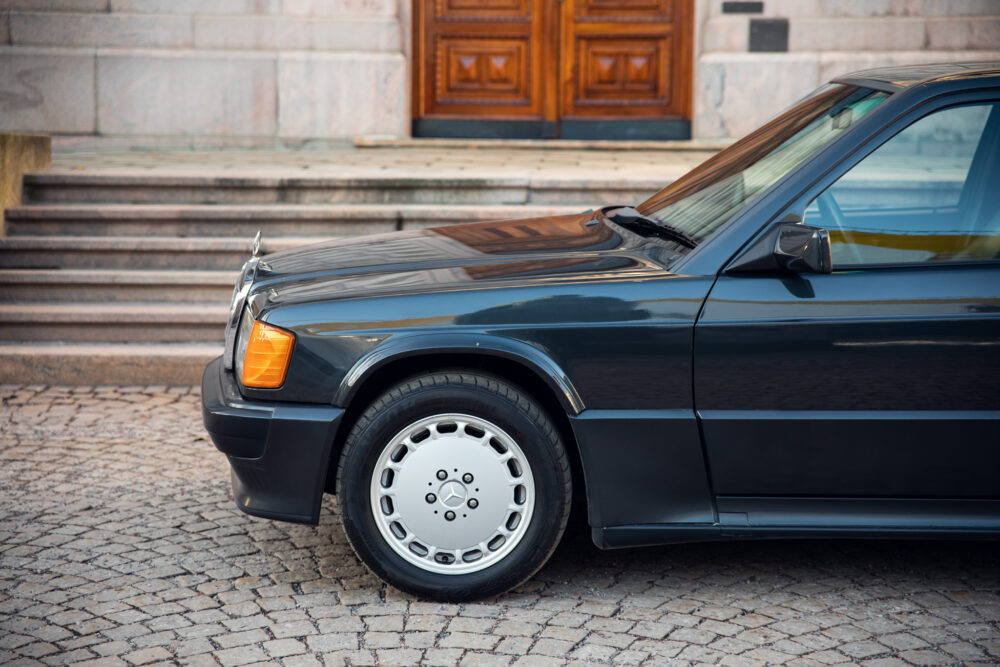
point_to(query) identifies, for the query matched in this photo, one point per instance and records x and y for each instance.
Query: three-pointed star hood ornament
(255, 248)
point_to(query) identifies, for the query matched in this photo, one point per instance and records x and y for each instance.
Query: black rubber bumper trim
(279, 453)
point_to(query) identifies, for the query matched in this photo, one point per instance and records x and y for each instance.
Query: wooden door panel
(535, 63)
(624, 59)
(618, 72)
(481, 10)
(471, 68)
(624, 10)
(480, 58)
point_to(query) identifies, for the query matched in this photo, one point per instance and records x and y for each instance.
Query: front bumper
(279, 453)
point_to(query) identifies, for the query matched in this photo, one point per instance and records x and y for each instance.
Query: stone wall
(755, 58)
(256, 71)
(264, 72)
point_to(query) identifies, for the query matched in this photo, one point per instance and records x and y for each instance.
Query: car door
(882, 378)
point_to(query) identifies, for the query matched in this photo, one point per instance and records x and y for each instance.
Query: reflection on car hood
(537, 250)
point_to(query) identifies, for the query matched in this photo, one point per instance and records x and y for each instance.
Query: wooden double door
(581, 69)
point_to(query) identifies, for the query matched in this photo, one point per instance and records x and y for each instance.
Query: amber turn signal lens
(268, 353)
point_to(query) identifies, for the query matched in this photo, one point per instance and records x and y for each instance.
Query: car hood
(488, 254)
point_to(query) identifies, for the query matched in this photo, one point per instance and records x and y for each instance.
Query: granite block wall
(753, 59)
(253, 71)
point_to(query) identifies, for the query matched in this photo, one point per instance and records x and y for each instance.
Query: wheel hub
(452, 493)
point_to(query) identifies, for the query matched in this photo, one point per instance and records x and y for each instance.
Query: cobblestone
(120, 545)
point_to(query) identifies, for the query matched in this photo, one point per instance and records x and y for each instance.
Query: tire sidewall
(369, 438)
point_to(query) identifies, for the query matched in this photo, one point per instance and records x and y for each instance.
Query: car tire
(454, 486)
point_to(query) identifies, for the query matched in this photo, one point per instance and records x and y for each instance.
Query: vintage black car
(800, 337)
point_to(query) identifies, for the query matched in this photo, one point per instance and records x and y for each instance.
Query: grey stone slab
(286, 33)
(183, 92)
(856, 34)
(47, 90)
(322, 95)
(727, 100)
(836, 64)
(964, 33)
(57, 5)
(79, 29)
(4, 27)
(338, 7)
(197, 6)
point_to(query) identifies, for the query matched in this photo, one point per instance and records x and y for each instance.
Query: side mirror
(789, 247)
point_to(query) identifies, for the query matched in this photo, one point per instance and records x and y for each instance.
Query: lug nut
(442, 475)
(467, 478)
(473, 503)
(449, 515)
(430, 497)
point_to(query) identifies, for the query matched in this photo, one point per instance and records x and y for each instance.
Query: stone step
(127, 252)
(113, 323)
(94, 364)
(115, 286)
(127, 187)
(236, 220)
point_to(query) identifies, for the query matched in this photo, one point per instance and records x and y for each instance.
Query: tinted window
(928, 194)
(711, 194)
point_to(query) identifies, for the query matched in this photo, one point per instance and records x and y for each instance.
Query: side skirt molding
(776, 518)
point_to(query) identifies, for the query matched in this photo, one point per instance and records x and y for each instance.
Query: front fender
(402, 346)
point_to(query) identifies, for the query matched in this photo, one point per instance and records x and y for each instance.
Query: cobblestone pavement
(120, 544)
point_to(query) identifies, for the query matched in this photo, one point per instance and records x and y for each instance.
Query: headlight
(263, 354)
(247, 275)
(242, 340)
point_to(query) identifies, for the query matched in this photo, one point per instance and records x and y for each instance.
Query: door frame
(552, 125)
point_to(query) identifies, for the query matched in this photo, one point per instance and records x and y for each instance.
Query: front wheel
(454, 486)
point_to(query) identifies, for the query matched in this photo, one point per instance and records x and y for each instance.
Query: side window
(928, 194)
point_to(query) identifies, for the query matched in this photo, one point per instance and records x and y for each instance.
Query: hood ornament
(255, 248)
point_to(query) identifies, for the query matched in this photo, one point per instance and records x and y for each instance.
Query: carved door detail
(550, 67)
(481, 58)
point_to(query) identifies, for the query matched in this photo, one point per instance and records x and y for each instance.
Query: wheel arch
(513, 361)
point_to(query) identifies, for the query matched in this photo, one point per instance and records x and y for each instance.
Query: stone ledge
(361, 34)
(20, 154)
(698, 145)
(123, 364)
(101, 6)
(70, 29)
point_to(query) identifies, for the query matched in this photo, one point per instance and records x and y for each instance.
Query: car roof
(892, 79)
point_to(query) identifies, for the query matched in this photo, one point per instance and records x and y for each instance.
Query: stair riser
(592, 198)
(125, 368)
(112, 259)
(184, 228)
(583, 195)
(82, 293)
(71, 192)
(113, 332)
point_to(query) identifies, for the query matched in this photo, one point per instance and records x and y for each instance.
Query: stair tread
(116, 313)
(133, 243)
(118, 276)
(110, 349)
(98, 211)
(100, 364)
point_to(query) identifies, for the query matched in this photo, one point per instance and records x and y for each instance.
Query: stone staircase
(125, 279)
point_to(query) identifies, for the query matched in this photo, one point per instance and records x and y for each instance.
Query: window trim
(825, 177)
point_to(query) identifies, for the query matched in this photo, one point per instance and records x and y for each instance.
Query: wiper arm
(628, 217)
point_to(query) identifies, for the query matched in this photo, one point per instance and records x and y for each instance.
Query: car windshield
(705, 198)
